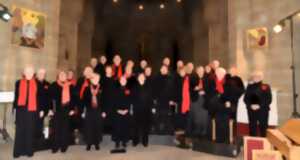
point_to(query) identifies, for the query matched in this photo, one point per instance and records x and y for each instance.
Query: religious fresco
(28, 28)
(257, 38)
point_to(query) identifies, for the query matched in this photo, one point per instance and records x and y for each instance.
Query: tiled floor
(153, 152)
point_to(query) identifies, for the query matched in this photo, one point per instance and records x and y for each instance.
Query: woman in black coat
(121, 115)
(94, 115)
(62, 108)
(142, 104)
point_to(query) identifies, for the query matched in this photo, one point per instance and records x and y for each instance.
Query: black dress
(259, 94)
(109, 99)
(142, 104)
(44, 105)
(93, 117)
(60, 123)
(218, 110)
(163, 119)
(25, 124)
(238, 90)
(121, 123)
(197, 122)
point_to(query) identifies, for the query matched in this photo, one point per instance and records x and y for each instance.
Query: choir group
(130, 102)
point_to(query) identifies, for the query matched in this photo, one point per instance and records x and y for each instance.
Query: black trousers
(39, 128)
(222, 127)
(25, 130)
(93, 128)
(255, 117)
(164, 119)
(120, 128)
(141, 127)
(61, 131)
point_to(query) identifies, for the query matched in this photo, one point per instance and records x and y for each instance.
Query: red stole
(72, 81)
(219, 85)
(83, 87)
(65, 95)
(119, 73)
(200, 84)
(31, 90)
(94, 92)
(186, 100)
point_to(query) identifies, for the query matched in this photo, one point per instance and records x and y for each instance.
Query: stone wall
(157, 31)
(14, 58)
(275, 60)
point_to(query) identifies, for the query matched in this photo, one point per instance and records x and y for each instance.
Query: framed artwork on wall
(257, 38)
(28, 28)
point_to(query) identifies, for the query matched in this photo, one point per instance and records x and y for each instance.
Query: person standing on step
(94, 115)
(121, 115)
(26, 106)
(62, 109)
(258, 98)
(142, 104)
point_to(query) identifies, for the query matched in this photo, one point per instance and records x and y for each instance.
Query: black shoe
(16, 156)
(134, 144)
(30, 155)
(63, 150)
(54, 151)
(124, 144)
(97, 147)
(88, 148)
(145, 144)
(117, 146)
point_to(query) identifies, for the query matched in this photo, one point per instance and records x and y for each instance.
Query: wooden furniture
(286, 139)
(266, 155)
(255, 143)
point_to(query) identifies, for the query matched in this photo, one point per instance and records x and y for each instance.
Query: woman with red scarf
(220, 107)
(81, 85)
(117, 67)
(61, 110)
(26, 105)
(94, 114)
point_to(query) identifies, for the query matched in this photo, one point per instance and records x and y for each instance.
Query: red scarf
(72, 81)
(94, 92)
(219, 85)
(186, 100)
(65, 95)
(83, 87)
(120, 72)
(32, 97)
(200, 84)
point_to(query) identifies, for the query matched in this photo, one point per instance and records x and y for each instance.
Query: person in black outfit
(219, 105)
(117, 68)
(142, 104)
(94, 115)
(61, 110)
(163, 113)
(100, 68)
(237, 87)
(198, 116)
(141, 68)
(44, 105)
(26, 106)
(258, 98)
(109, 92)
(178, 79)
(94, 63)
(81, 85)
(121, 115)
